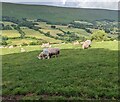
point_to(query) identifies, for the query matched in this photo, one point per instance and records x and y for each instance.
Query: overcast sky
(104, 4)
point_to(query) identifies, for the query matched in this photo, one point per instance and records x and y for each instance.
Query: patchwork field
(33, 33)
(53, 32)
(80, 32)
(10, 33)
(28, 33)
(75, 75)
(43, 25)
(8, 23)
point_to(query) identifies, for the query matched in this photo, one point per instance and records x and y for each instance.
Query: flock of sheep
(48, 52)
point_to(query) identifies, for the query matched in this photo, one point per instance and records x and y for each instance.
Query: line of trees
(16, 27)
(52, 23)
(5, 27)
(68, 36)
(81, 24)
(21, 22)
(10, 19)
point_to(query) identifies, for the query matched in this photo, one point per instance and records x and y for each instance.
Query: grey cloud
(103, 4)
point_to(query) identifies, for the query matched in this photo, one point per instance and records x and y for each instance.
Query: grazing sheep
(6, 47)
(20, 45)
(63, 43)
(76, 43)
(46, 45)
(1, 46)
(11, 46)
(22, 50)
(48, 53)
(86, 44)
(88, 41)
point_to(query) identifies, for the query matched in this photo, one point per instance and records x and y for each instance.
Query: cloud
(60, 1)
(104, 4)
(33, 0)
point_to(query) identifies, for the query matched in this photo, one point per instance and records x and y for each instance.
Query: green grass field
(10, 33)
(75, 75)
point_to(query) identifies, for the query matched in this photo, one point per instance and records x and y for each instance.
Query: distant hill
(56, 14)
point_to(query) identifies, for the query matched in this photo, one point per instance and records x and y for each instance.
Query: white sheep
(22, 50)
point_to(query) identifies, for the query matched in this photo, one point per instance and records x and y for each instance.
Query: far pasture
(8, 23)
(80, 32)
(10, 33)
(53, 32)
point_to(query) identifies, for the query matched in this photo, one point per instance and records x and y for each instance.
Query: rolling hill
(56, 14)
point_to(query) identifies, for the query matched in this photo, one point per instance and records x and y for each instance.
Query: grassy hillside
(56, 14)
(75, 74)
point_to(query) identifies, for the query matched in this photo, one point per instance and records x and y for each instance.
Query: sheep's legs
(48, 57)
(57, 55)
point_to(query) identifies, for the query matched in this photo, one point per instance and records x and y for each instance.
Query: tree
(7, 27)
(99, 35)
(4, 38)
(119, 37)
(107, 30)
(4, 43)
(1, 26)
(88, 30)
(22, 34)
(52, 26)
(47, 34)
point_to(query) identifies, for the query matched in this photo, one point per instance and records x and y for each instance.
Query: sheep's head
(41, 56)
